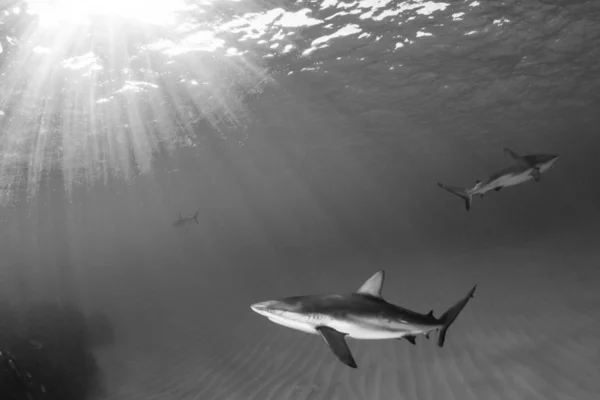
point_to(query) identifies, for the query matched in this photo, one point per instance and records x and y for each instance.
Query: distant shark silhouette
(186, 221)
(526, 167)
(360, 315)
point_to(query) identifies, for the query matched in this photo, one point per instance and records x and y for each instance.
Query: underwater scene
(299, 200)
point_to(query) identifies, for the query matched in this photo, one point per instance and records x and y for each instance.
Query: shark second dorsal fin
(373, 285)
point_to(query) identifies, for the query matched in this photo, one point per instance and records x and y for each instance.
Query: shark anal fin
(536, 174)
(373, 285)
(498, 188)
(337, 343)
(410, 338)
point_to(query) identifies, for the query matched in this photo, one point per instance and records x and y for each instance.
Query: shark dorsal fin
(515, 157)
(477, 182)
(511, 154)
(179, 213)
(430, 313)
(373, 285)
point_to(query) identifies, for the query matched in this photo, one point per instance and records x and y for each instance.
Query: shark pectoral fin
(337, 343)
(498, 188)
(481, 195)
(373, 285)
(536, 174)
(410, 338)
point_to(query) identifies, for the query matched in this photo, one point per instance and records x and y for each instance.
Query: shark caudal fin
(449, 316)
(460, 192)
(196, 217)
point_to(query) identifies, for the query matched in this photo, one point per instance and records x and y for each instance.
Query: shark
(363, 314)
(181, 221)
(523, 169)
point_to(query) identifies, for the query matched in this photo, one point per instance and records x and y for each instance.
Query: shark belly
(512, 180)
(303, 326)
(354, 327)
(372, 329)
(545, 167)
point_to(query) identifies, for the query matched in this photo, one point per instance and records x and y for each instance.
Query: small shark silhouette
(360, 315)
(526, 167)
(186, 221)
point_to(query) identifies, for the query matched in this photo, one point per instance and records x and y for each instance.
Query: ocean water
(309, 137)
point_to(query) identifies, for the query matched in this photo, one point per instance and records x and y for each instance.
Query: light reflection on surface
(54, 13)
(107, 83)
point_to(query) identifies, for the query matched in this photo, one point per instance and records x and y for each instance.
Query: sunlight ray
(55, 12)
(80, 95)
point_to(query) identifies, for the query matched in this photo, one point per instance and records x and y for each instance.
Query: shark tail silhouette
(450, 316)
(196, 217)
(460, 192)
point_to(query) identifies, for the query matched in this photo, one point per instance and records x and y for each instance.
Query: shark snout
(261, 308)
(549, 158)
(273, 307)
(548, 161)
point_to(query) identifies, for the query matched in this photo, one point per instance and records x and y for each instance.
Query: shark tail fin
(450, 315)
(196, 217)
(460, 192)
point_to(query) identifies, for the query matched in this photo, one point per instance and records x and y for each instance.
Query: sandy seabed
(531, 332)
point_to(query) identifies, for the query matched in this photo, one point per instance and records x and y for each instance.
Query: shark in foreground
(525, 167)
(360, 315)
(186, 221)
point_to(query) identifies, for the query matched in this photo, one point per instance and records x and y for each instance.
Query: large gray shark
(186, 221)
(360, 315)
(525, 167)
